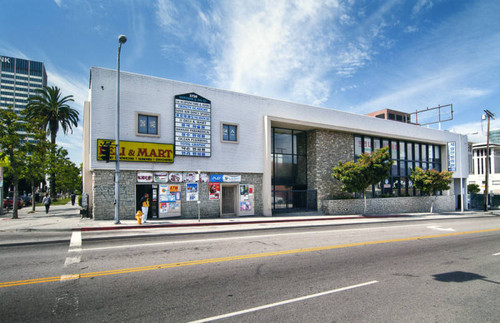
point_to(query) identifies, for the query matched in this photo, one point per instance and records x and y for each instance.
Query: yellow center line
(232, 258)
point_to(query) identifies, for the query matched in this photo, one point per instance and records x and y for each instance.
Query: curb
(194, 224)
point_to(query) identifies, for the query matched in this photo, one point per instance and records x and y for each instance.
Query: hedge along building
(240, 154)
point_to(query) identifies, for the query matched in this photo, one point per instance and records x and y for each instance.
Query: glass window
(431, 153)
(147, 124)
(385, 143)
(282, 141)
(402, 150)
(358, 146)
(424, 153)
(394, 149)
(229, 132)
(376, 144)
(437, 154)
(402, 168)
(417, 152)
(368, 144)
(409, 151)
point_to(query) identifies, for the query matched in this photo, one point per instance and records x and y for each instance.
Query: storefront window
(368, 145)
(402, 150)
(358, 146)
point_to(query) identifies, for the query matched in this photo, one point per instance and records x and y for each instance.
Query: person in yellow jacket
(145, 207)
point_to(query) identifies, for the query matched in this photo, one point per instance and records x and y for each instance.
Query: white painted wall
(155, 95)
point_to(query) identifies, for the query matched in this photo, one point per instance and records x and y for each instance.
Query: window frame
(147, 114)
(229, 124)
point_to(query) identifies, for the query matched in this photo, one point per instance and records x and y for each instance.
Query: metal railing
(294, 201)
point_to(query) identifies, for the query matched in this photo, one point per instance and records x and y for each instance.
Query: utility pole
(489, 115)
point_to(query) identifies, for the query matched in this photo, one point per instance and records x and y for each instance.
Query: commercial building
(478, 168)
(243, 155)
(389, 114)
(19, 78)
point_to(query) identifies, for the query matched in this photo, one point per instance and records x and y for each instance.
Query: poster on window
(191, 191)
(214, 191)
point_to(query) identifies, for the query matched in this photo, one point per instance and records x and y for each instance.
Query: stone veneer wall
(325, 148)
(104, 192)
(389, 205)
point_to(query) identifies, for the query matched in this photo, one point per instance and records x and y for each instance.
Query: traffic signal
(106, 150)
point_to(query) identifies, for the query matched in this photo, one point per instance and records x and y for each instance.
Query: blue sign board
(216, 178)
(452, 157)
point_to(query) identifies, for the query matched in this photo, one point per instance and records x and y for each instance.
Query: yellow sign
(137, 151)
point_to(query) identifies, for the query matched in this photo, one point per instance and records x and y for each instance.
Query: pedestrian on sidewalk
(73, 197)
(46, 201)
(145, 207)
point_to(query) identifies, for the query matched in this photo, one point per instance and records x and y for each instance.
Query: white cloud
(422, 5)
(58, 3)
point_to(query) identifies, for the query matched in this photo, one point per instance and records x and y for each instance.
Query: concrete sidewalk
(67, 218)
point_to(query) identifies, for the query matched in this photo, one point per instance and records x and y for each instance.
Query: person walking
(73, 198)
(46, 201)
(145, 207)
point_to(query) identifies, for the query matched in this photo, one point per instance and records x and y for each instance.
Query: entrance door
(228, 200)
(152, 190)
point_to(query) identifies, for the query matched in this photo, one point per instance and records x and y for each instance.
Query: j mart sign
(138, 151)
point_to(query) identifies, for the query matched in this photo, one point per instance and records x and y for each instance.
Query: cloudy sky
(356, 56)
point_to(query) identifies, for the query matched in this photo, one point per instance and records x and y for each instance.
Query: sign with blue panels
(216, 178)
(452, 157)
(193, 131)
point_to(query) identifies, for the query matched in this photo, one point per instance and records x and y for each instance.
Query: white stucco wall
(141, 93)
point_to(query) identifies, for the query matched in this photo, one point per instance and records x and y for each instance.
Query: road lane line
(142, 245)
(72, 260)
(299, 299)
(435, 227)
(240, 257)
(496, 254)
(76, 240)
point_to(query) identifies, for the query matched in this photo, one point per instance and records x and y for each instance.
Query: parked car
(8, 203)
(26, 199)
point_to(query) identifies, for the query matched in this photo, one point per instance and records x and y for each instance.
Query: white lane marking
(435, 227)
(213, 318)
(75, 246)
(242, 237)
(72, 260)
(496, 254)
(76, 240)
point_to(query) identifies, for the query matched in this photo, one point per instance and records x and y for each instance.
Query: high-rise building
(19, 78)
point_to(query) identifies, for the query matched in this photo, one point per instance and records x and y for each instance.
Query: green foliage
(12, 147)
(48, 111)
(67, 174)
(473, 188)
(431, 181)
(370, 169)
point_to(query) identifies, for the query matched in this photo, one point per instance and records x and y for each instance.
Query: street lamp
(122, 40)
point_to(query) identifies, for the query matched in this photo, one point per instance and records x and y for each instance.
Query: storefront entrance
(152, 190)
(228, 200)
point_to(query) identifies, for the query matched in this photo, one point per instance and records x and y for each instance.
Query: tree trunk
(15, 197)
(33, 201)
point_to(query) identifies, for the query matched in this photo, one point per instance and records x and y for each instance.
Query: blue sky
(356, 56)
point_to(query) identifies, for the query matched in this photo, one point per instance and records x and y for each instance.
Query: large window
(289, 163)
(405, 157)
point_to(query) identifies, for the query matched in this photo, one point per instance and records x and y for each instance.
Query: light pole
(122, 40)
(488, 115)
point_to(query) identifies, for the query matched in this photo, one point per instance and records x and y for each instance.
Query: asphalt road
(426, 271)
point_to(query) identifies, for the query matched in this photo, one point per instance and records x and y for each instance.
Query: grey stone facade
(104, 191)
(390, 205)
(325, 149)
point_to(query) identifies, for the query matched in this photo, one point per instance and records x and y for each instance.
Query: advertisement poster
(143, 177)
(214, 189)
(191, 191)
(246, 199)
(175, 177)
(161, 177)
(190, 177)
(204, 178)
(169, 200)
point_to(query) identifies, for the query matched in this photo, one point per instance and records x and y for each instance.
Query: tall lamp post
(122, 40)
(488, 115)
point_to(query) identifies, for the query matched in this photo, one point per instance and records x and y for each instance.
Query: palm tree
(49, 111)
